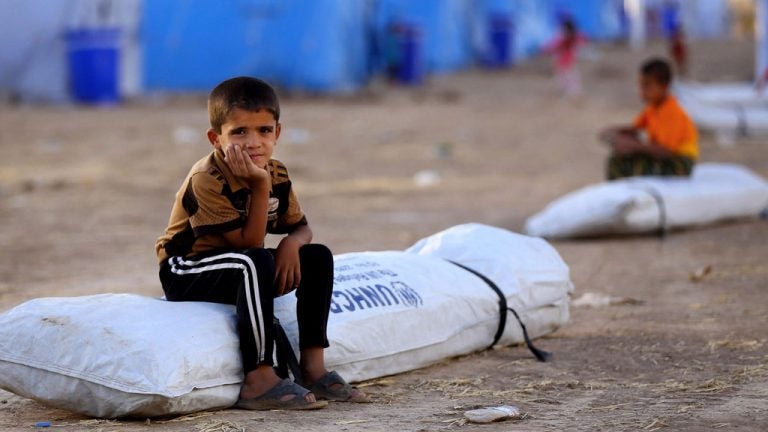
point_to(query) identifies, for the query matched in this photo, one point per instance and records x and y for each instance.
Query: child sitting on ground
(213, 249)
(662, 141)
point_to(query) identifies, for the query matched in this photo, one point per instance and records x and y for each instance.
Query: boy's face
(652, 91)
(256, 132)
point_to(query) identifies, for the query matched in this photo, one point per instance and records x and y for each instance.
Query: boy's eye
(238, 131)
(265, 130)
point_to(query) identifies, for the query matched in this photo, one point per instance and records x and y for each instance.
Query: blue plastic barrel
(500, 32)
(670, 18)
(93, 56)
(409, 64)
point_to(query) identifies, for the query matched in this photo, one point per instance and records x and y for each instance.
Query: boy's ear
(278, 129)
(213, 138)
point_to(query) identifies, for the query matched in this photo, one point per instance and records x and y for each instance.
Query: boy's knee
(316, 252)
(262, 259)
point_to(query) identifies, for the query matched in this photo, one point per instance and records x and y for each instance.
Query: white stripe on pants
(251, 285)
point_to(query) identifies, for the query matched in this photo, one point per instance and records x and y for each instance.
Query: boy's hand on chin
(242, 166)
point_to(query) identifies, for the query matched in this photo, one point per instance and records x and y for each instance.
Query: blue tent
(536, 22)
(320, 46)
(440, 27)
(317, 46)
(598, 19)
(532, 26)
(336, 45)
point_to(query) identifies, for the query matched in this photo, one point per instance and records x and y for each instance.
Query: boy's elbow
(304, 232)
(239, 240)
(307, 231)
(246, 245)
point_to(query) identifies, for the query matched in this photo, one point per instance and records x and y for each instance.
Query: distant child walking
(213, 249)
(678, 50)
(662, 140)
(565, 49)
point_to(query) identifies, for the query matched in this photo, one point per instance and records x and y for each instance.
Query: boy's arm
(287, 263)
(611, 134)
(631, 145)
(258, 180)
(658, 151)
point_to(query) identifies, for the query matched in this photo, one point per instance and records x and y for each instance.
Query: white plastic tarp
(444, 309)
(714, 192)
(114, 355)
(111, 355)
(730, 107)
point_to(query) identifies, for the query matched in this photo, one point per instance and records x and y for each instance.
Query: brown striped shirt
(212, 201)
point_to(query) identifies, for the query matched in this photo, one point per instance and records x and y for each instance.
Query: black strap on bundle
(661, 232)
(286, 357)
(742, 125)
(540, 355)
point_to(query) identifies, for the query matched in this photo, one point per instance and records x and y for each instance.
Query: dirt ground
(85, 192)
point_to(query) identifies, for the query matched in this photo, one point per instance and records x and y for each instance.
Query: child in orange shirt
(663, 139)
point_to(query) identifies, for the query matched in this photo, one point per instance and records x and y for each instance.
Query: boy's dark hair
(658, 69)
(569, 25)
(247, 93)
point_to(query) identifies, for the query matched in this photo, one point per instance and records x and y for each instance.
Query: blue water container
(500, 33)
(94, 60)
(670, 18)
(409, 66)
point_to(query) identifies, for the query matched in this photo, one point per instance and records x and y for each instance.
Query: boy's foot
(285, 395)
(332, 386)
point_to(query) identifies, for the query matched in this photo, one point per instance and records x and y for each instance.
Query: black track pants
(245, 279)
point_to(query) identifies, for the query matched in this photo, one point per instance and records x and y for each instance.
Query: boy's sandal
(332, 386)
(273, 399)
